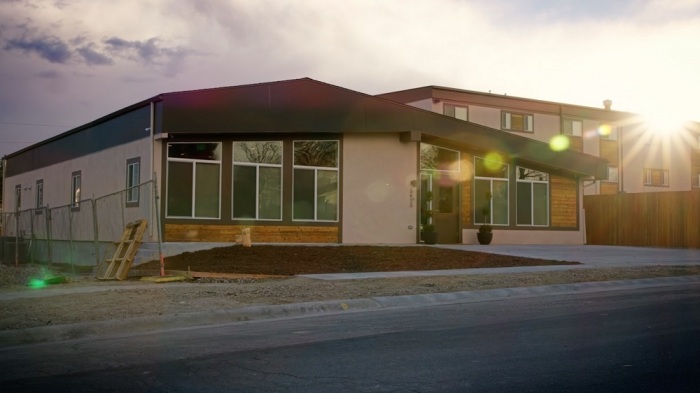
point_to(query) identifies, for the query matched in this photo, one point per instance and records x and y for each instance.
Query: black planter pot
(430, 237)
(484, 238)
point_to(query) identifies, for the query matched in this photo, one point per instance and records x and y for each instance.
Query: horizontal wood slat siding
(564, 196)
(609, 188)
(657, 219)
(258, 234)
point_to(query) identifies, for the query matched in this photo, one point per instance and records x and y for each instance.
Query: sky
(64, 63)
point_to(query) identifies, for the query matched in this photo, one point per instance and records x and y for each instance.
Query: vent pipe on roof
(607, 104)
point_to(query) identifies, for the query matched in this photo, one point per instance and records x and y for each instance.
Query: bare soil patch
(296, 260)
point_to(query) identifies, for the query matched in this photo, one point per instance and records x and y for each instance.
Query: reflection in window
(533, 197)
(316, 180)
(257, 180)
(490, 192)
(438, 158)
(193, 180)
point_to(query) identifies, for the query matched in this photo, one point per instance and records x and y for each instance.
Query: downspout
(621, 173)
(156, 199)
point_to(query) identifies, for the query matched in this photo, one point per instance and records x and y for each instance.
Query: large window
(458, 112)
(517, 122)
(572, 127)
(533, 197)
(490, 192)
(257, 180)
(75, 190)
(433, 158)
(133, 178)
(316, 180)
(194, 178)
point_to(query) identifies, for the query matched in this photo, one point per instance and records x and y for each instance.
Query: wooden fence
(658, 219)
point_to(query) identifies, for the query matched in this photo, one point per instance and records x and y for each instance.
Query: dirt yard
(65, 304)
(295, 260)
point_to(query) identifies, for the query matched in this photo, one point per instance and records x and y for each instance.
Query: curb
(115, 328)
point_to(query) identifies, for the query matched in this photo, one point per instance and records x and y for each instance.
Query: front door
(440, 205)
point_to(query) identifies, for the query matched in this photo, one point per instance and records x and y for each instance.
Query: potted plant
(428, 234)
(485, 234)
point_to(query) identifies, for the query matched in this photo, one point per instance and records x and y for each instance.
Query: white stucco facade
(379, 198)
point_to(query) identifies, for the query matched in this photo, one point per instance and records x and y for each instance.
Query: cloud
(48, 48)
(149, 52)
(92, 57)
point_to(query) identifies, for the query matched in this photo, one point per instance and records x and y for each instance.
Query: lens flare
(604, 130)
(493, 161)
(36, 283)
(559, 143)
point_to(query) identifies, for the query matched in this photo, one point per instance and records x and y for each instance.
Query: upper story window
(511, 121)
(458, 112)
(608, 132)
(572, 127)
(316, 180)
(194, 179)
(656, 177)
(75, 189)
(257, 180)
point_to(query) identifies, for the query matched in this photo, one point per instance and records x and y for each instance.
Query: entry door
(440, 205)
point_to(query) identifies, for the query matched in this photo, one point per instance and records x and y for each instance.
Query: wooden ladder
(117, 267)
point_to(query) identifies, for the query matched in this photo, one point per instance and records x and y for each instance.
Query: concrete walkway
(589, 257)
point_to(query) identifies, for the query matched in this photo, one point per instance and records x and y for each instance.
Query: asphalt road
(614, 341)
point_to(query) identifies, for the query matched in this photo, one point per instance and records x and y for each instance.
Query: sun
(666, 119)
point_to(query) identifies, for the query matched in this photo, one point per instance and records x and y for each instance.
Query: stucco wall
(102, 173)
(377, 174)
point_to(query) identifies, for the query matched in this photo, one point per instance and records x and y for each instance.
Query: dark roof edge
(93, 123)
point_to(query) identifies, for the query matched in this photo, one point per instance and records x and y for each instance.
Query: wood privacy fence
(658, 219)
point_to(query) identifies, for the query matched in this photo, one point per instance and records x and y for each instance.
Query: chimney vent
(607, 104)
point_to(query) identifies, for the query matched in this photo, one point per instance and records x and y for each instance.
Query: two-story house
(641, 158)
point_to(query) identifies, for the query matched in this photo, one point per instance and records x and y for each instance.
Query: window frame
(532, 198)
(616, 172)
(18, 198)
(454, 111)
(572, 121)
(257, 166)
(75, 190)
(316, 170)
(454, 167)
(133, 189)
(613, 135)
(194, 162)
(39, 196)
(491, 180)
(528, 121)
(649, 177)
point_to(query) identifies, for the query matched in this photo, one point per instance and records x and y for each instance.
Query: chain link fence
(79, 234)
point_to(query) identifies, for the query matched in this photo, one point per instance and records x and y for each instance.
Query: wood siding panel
(564, 202)
(655, 219)
(466, 205)
(608, 188)
(258, 234)
(575, 143)
(608, 150)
